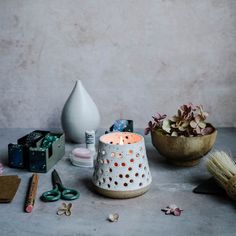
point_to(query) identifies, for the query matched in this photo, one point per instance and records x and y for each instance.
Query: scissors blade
(56, 179)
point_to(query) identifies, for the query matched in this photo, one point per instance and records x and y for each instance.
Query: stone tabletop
(202, 215)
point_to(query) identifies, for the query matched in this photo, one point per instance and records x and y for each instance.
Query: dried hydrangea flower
(113, 217)
(172, 210)
(166, 126)
(156, 124)
(198, 124)
(181, 125)
(174, 134)
(151, 127)
(207, 130)
(158, 117)
(188, 122)
(202, 113)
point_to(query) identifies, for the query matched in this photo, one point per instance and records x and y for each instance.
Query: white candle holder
(121, 169)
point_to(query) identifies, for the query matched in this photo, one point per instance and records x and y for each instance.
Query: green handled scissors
(59, 191)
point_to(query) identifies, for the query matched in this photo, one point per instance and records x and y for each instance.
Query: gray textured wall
(134, 58)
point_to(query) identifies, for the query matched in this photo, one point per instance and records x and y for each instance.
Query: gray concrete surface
(203, 214)
(130, 54)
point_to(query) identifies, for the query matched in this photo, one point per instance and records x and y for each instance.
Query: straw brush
(223, 168)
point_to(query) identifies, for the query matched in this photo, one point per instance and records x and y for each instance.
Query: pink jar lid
(82, 153)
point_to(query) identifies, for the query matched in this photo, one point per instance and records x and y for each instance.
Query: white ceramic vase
(79, 114)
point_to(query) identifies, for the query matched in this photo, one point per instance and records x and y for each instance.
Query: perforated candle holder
(121, 169)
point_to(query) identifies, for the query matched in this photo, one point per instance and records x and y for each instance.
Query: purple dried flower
(186, 111)
(158, 117)
(151, 127)
(157, 123)
(207, 130)
(177, 211)
(172, 210)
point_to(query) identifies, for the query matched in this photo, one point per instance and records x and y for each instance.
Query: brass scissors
(59, 191)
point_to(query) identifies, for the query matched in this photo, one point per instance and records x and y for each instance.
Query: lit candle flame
(121, 141)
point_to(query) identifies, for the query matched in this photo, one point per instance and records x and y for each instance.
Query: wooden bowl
(183, 151)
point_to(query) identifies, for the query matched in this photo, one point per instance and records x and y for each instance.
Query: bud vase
(79, 114)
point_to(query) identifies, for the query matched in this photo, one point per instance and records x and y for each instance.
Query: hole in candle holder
(129, 143)
(108, 185)
(110, 178)
(145, 168)
(123, 164)
(136, 174)
(120, 155)
(104, 180)
(130, 168)
(106, 161)
(111, 142)
(127, 137)
(140, 165)
(143, 175)
(112, 154)
(131, 181)
(130, 152)
(127, 176)
(115, 164)
(143, 156)
(99, 183)
(140, 184)
(110, 169)
(125, 184)
(131, 160)
(121, 176)
(116, 183)
(137, 155)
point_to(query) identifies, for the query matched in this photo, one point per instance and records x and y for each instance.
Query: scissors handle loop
(69, 194)
(51, 196)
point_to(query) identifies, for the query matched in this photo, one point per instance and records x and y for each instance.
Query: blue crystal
(120, 125)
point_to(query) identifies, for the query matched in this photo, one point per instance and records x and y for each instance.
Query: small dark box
(37, 151)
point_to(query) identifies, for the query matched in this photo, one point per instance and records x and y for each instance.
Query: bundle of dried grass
(223, 168)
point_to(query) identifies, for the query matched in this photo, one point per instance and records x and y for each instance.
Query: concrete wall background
(134, 58)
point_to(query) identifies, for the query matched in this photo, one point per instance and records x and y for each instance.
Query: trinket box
(37, 151)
